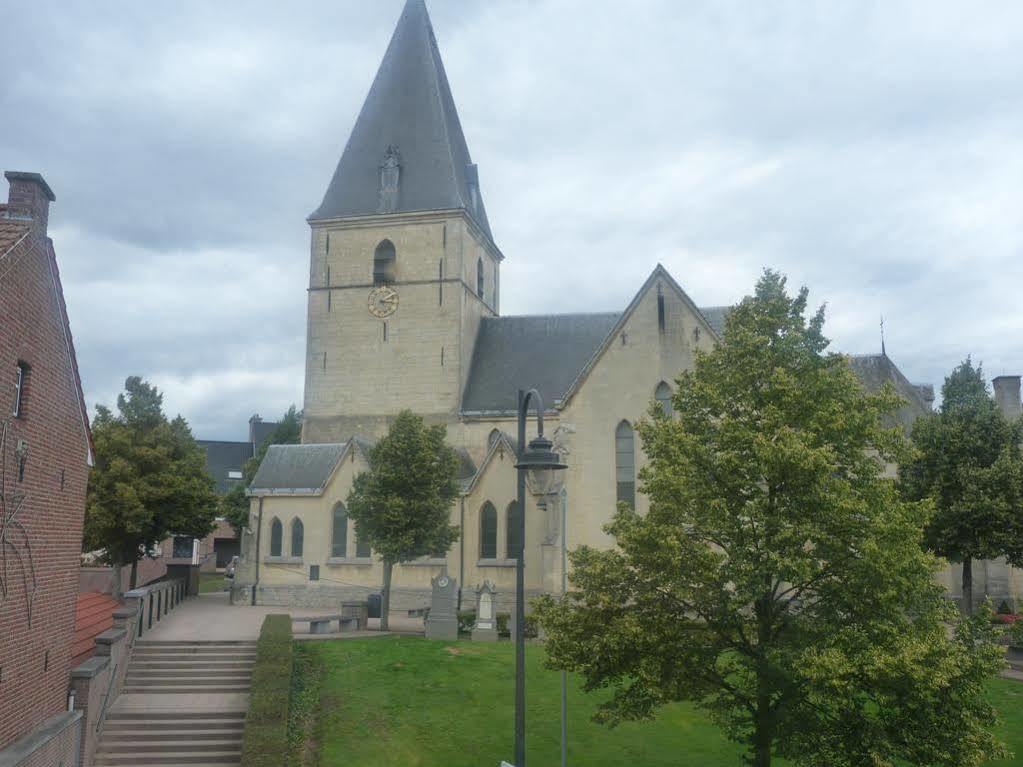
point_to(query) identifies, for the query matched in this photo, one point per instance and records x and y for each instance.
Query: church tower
(403, 263)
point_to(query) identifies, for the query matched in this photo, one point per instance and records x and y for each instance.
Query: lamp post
(540, 461)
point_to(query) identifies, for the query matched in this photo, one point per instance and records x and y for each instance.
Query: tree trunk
(134, 574)
(968, 585)
(116, 585)
(385, 598)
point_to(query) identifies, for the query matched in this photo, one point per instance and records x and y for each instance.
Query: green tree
(777, 579)
(967, 461)
(234, 505)
(402, 505)
(149, 481)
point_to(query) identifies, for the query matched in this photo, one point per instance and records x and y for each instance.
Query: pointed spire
(407, 151)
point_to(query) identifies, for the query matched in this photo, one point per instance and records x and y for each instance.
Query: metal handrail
(106, 699)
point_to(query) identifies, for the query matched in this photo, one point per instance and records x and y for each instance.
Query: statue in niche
(390, 180)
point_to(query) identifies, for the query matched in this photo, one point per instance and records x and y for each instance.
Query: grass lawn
(409, 702)
(210, 582)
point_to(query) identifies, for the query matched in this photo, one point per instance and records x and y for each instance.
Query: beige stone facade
(405, 184)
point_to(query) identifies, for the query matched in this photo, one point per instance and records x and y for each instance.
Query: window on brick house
(182, 547)
(20, 378)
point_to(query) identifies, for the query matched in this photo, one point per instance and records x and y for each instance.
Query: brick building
(45, 455)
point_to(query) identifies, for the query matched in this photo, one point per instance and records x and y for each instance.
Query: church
(404, 300)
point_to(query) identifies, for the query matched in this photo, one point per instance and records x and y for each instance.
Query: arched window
(384, 261)
(479, 277)
(297, 535)
(362, 548)
(625, 463)
(339, 539)
(663, 397)
(276, 538)
(513, 540)
(488, 531)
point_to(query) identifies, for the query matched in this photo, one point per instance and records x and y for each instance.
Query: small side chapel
(404, 312)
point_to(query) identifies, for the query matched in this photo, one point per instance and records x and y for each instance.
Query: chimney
(29, 198)
(1007, 396)
(256, 419)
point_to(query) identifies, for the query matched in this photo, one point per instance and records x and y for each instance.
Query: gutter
(461, 554)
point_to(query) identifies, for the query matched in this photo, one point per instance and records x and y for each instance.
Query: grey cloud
(870, 151)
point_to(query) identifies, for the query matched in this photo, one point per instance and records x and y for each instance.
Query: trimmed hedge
(265, 743)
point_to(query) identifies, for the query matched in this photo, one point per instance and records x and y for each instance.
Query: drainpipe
(461, 553)
(259, 531)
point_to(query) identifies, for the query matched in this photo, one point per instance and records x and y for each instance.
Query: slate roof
(222, 457)
(410, 107)
(296, 469)
(543, 351)
(875, 370)
(260, 430)
(715, 316)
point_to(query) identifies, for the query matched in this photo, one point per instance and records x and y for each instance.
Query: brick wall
(37, 617)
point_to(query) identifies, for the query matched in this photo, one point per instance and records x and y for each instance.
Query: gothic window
(339, 540)
(479, 278)
(625, 463)
(276, 538)
(660, 309)
(297, 534)
(512, 537)
(384, 262)
(663, 397)
(488, 531)
(362, 548)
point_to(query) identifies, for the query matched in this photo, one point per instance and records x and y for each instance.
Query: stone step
(212, 663)
(223, 743)
(117, 716)
(227, 756)
(178, 680)
(196, 655)
(178, 734)
(140, 727)
(193, 690)
(184, 673)
(196, 643)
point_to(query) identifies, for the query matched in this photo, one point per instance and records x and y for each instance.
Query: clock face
(383, 301)
(442, 581)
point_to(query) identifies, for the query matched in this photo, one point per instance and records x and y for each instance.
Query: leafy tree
(402, 505)
(778, 579)
(967, 460)
(149, 481)
(234, 505)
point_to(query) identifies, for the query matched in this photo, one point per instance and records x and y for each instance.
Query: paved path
(211, 617)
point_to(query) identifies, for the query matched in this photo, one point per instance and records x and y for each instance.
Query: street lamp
(540, 461)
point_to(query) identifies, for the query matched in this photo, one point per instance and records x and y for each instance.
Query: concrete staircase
(183, 704)
(190, 667)
(172, 739)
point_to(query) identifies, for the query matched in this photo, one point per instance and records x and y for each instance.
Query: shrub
(1016, 634)
(1004, 609)
(466, 620)
(503, 619)
(265, 742)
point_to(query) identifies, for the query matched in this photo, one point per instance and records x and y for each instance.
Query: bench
(320, 624)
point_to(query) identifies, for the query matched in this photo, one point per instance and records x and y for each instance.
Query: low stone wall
(402, 599)
(97, 682)
(54, 742)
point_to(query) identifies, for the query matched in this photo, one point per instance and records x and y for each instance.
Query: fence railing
(156, 600)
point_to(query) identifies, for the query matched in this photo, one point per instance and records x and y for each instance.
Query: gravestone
(485, 629)
(442, 622)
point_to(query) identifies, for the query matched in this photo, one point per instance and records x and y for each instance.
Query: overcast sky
(872, 151)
